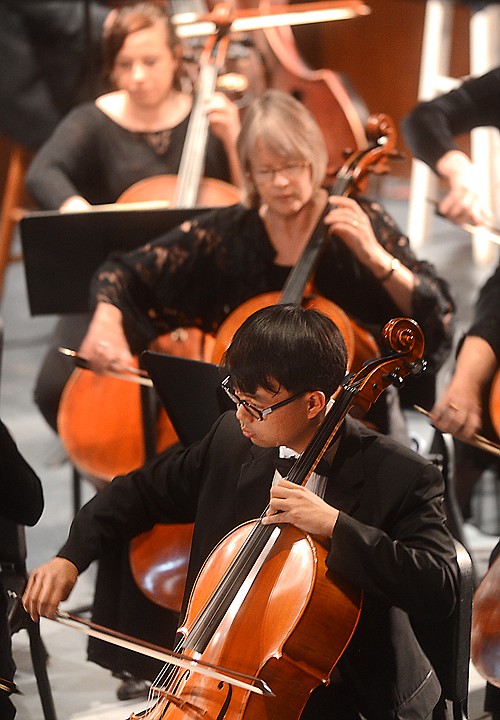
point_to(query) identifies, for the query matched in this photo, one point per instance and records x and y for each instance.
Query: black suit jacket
(390, 540)
(50, 59)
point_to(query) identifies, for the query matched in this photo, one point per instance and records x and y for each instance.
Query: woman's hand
(352, 225)
(224, 118)
(302, 508)
(105, 346)
(75, 203)
(47, 586)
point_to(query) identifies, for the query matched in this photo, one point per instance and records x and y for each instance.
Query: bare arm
(459, 410)
(348, 221)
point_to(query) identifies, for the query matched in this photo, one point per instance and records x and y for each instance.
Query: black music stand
(190, 391)
(63, 250)
(61, 253)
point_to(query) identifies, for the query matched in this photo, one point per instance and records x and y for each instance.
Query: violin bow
(247, 19)
(131, 374)
(478, 441)
(247, 682)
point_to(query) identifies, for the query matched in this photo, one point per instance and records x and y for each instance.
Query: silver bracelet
(395, 263)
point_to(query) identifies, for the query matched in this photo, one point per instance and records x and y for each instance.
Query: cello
(485, 636)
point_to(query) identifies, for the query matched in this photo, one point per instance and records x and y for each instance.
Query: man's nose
(242, 413)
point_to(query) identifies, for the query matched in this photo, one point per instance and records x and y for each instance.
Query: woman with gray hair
(197, 274)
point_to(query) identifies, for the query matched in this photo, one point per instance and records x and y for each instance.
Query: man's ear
(316, 403)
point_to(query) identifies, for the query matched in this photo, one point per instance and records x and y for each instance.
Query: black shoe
(131, 687)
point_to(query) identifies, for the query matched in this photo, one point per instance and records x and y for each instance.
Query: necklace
(158, 140)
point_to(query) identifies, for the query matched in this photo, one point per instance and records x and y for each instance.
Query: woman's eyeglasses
(251, 409)
(289, 170)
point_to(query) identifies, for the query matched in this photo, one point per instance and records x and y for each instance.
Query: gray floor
(83, 690)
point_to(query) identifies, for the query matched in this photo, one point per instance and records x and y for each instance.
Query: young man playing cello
(377, 506)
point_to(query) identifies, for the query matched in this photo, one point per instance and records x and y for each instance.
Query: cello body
(485, 637)
(360, 343)
(277, 633)
(321, 91)
(212, 192)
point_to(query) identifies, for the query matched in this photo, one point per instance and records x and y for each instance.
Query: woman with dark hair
(136, 131)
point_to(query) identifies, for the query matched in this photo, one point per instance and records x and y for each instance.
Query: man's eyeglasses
(289, 170)
(251, 409)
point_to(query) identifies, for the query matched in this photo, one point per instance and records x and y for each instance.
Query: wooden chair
(15, 203)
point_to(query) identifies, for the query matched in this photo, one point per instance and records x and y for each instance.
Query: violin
(351, 177)
(262, 606)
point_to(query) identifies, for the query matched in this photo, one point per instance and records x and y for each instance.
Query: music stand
(190, 392)
(62, 251)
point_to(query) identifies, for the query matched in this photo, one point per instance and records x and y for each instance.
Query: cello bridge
(184, 705)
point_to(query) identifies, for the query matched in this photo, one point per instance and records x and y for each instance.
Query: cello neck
(298, 278)
(192, 162)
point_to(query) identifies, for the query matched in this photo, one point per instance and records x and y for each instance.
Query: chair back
(447, 643)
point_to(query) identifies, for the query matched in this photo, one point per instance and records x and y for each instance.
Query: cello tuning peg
(417, 367)
(394, 379)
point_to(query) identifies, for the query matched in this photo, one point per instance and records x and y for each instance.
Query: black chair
(14, 575)
(447, 645)
(439, 449)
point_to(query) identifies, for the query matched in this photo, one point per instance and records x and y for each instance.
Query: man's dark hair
(300, 349)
